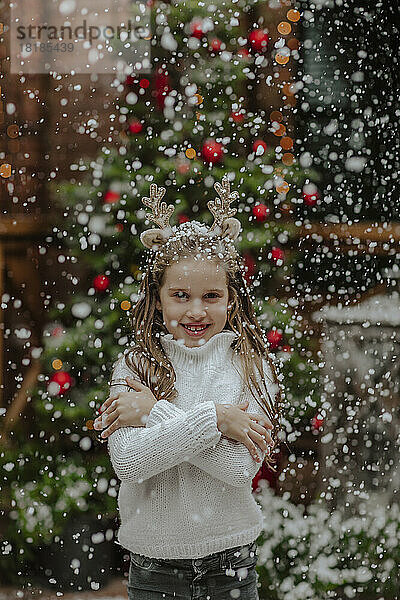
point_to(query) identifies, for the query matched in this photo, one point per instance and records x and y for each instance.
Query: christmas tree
(191, 120)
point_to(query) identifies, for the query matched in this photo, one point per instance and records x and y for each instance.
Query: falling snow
(297, 104)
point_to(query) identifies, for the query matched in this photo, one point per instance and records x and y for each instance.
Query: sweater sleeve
(230, 461)
(138, 453)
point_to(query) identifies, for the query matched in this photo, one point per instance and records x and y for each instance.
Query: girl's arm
(138, 453)
(230, 461)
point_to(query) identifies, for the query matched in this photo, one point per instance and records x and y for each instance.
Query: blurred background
(298, 102)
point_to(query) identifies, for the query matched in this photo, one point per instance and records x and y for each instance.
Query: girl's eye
(210, 294)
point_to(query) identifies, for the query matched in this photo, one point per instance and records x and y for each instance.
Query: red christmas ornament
(250, 267)
(277, 254)
(267, 474)
(317, 422)
(258, 40)
(310, 199)
(215, 45)
(144, 83)
(274, 338)
(57, 331)
(129, 80)
(310, 194)
(260, 212)
(119, 227)
(135, 126)
(111, 197)
(183, 219)
(244, 53)
(196, 28)
(63, 379)
(237, 117)
(258, 145)
(161, 87)
(101, 283)
(286, 348)
(212, 151)
(254, 484)
(183, 168)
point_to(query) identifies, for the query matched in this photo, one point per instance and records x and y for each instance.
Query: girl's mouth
(195, 330)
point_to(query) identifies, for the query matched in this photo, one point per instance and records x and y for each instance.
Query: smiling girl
(189, 436)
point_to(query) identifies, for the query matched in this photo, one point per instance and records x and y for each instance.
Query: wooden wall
(44, 125)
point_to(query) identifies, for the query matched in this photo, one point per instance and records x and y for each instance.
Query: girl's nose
(196, 314)
(196, 311)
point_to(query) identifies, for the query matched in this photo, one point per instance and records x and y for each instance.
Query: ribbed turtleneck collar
(217, 346)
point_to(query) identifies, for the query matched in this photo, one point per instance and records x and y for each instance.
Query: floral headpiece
(224, 225)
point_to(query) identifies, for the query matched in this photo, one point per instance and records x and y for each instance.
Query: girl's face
(194, 300)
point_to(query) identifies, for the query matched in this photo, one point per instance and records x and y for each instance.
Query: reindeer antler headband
(224, 225)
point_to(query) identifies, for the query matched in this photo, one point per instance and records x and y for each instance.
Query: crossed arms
(172, 436)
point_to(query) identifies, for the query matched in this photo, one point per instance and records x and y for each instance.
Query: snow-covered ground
(114, 590)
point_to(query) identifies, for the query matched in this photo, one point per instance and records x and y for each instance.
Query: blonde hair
(147, 357)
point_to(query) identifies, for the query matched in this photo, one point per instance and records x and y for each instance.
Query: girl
(182, 443)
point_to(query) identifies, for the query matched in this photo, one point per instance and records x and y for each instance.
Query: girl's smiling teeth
(195, 330)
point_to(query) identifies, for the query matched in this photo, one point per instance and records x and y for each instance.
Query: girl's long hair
(147, 357)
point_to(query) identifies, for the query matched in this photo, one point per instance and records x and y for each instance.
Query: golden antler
(220, 206)
(160, 213)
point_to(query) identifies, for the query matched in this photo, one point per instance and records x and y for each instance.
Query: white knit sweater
(185, 488)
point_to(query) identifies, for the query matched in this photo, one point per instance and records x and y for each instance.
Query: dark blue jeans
(218, 576)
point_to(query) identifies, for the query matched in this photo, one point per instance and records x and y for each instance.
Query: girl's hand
(244, 427)
(126, 409)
